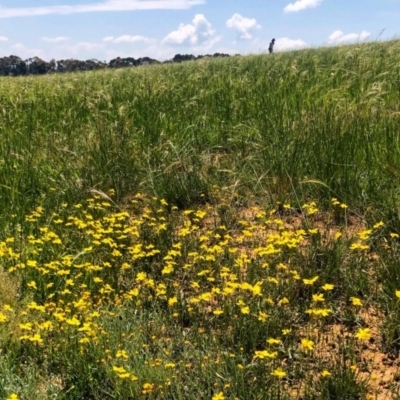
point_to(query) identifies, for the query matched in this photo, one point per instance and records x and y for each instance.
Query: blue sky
(105, 29)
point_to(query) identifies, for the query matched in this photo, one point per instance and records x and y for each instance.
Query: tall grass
(321, 122)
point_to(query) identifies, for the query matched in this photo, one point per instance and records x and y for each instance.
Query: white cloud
(25, 52)
(106, 5)
(128, 39)
(242, 25)
(338, 37)
(190, 35)
(3, 39)
(302, 5)
(284, 43)
(85, 49)
(205, 47)
(55, 39)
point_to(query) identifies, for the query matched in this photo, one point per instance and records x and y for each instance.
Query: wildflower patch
(151, 300)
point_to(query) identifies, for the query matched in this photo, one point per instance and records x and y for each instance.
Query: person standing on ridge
(271, 46)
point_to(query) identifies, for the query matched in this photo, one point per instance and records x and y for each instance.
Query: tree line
(15, 66)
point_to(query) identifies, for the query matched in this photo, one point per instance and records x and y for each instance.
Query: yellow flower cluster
(90, 263)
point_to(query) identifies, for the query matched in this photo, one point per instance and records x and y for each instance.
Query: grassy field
(219, 229)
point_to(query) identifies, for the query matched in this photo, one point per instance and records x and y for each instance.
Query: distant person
(271, 46)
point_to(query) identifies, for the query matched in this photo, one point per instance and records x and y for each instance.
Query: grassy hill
(224, 228)
(255, 125)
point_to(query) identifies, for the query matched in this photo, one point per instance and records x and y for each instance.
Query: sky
(106, 29)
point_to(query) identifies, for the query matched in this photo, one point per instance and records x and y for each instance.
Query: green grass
(158, 228)
(320, 122)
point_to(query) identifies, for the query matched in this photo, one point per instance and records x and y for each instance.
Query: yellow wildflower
(265, 354)
(356, 301)
(363, 334)
(262, 316)
(73, 321)
(273, 341)
(218, 396)
(279, 373)
(307, 344)
(318, 297)
(310, 281)
(172, 301)
(26, 327)
(32, 284)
